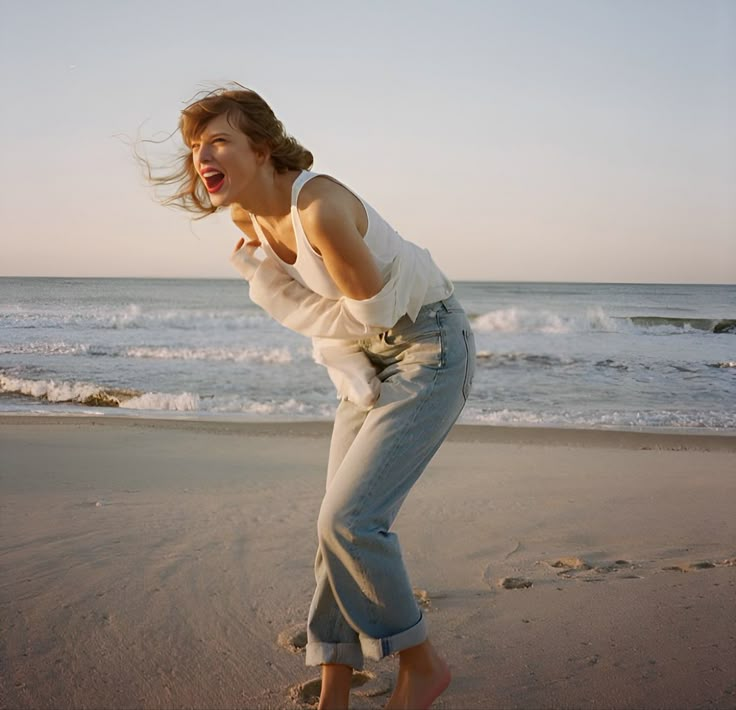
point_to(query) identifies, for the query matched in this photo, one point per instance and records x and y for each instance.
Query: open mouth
(213, 180)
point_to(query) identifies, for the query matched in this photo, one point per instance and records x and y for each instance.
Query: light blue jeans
(363, 605)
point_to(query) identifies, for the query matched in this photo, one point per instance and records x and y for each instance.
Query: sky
(520, 140)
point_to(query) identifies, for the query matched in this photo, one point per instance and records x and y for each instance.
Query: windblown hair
(247, 112)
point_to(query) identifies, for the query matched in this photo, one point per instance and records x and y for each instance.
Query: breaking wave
(93, 395)
(708, 325)
(519, 320)
(90, 394)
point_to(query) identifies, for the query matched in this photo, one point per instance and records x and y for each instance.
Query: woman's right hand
(244, 259)
(252, 245)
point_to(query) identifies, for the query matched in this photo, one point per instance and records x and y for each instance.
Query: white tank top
(309, 269)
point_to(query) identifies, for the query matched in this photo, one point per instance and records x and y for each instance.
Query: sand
(168, 564)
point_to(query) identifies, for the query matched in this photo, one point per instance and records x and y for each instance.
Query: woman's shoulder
(325, 198)
(321, 187)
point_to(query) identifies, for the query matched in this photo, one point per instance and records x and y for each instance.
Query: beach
(151, 563)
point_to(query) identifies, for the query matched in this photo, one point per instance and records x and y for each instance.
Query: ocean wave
(58, 392)
(679, 325)
(93, 395)
(134, 316)
(260, 355)
(276, 355)
(519, 320)
(724, 365)
(160, 401)
(42, 348)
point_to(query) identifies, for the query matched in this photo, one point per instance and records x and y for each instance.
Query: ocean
(618, 356)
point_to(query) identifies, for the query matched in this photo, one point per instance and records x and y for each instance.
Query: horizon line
(465, 281)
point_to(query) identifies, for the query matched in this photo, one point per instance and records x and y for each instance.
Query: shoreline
(664, 439)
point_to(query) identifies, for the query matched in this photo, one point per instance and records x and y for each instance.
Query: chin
(219, 200)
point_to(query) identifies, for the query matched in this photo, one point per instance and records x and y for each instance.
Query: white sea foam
(160, 401)
(87, 393)
(275, 355)
(519, 320)
(134, 316)
(259, 355)
(45, 348)
(53, 391)
(92, 394)
(624, 419)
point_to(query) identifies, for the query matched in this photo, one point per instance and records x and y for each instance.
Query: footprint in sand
(571, 563)
(369, 684)
(515, 583)
(505, 582)
(571, 567)
(293, 638)
(422, 597)
(694, 566)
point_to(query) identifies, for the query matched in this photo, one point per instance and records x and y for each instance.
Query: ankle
(336, 683)
(422, 658)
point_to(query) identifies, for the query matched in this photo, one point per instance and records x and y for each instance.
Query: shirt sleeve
(304, 311)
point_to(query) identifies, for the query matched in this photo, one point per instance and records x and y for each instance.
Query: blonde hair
(247, 112)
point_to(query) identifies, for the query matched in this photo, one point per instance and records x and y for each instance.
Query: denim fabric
(363, 605)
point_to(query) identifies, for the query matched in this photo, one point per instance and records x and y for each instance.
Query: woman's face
(225, 162)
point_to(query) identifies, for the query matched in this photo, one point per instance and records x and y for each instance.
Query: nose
(204, 153)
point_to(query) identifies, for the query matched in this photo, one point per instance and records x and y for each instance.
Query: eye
(194, 146)
(219, 140)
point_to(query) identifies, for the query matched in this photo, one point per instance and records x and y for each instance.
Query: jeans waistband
(449, 305)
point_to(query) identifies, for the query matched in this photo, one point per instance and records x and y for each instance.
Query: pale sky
(566, 140)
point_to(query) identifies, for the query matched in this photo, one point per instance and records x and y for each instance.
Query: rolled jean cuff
(377, 649)
(347, 654)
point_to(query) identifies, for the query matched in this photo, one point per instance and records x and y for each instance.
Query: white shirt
(411, 280)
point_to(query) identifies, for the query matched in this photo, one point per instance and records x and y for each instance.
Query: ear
(263, 153)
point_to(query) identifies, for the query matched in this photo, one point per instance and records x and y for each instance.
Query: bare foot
(423, 677)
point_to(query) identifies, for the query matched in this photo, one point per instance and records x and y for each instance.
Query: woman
(396, 343)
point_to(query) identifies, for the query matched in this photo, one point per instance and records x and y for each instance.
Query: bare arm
(331, 221)
(330, 215)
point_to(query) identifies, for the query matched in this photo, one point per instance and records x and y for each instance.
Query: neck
(270, 196)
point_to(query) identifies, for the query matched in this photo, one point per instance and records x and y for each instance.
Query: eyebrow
(205, 136)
